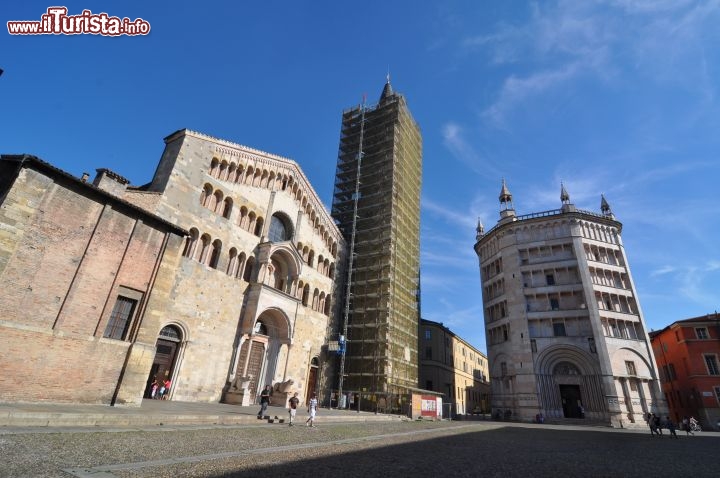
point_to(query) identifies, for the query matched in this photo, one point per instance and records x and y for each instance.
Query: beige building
(254, 290)
(219, 275)
(452, 366)
(566, 336)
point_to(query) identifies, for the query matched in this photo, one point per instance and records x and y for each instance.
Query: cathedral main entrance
(571, 401)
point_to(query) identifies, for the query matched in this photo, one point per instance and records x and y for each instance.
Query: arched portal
(167, 350)
(258, 362)
(569, 384)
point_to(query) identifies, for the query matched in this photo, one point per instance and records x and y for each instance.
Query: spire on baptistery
(480, 230)
(605, 207)
(564, 196)
(507, 210)
(505, 197)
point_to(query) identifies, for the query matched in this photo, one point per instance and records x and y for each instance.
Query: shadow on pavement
(503, 452)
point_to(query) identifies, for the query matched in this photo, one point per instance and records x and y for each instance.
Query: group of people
(293, 403)
(656, 424)
(312, 409)
(159, 389)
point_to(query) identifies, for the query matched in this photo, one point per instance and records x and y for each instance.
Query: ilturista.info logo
(56, 21)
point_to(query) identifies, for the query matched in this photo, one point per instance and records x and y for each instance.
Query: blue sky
(616, 97)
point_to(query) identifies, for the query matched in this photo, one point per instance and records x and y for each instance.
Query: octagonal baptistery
(565, 333)
(254, 290)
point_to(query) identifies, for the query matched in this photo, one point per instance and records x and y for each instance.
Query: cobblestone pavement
(398, 449)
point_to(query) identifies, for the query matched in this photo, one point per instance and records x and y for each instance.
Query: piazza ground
(397, 448)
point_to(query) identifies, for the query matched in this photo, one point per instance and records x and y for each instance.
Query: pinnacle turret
(480, 230)
(505, 196)
(564, 196)
(605, 207)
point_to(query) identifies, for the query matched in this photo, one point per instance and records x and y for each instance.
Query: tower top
(387, 89)
(564, 196)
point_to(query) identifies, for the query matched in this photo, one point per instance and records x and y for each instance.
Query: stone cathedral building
(565, 333)
(219, 274)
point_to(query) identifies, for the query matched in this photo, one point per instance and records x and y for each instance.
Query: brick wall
(65, 250)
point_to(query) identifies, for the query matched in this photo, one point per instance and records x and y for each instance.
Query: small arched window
(306, 295)
(251, 222)
(217, 203)
(205, 194)
(214, 167)
(215, 254)
(190, 243)
(243, 218)
(316, 300)
(227, 208)
(223, 170)
(249, 269)
(259, 226)
(232, 262)
(202, 256)
(240, 265)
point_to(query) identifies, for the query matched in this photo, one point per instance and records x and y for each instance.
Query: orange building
(687, 354)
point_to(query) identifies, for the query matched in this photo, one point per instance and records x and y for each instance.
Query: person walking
(154, 388)
(657, 424)
(292, 404)
(671, 427)
(161, 390)
(651, 424)
(166, 391)
(264, 401)
(686, 426)
(312, 410)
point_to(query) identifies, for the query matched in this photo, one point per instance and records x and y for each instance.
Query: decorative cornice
(259, 156)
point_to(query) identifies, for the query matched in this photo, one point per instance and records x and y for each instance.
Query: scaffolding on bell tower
(376, 205)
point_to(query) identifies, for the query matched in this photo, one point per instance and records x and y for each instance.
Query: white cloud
(454, 140)
(515, 90)
(663, 41)
(465, 220)
(662, 270)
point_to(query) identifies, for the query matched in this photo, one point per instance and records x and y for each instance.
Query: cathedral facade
(239, 290)
(565, 332)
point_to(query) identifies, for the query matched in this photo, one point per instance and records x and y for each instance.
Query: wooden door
(312, 384)
(163, 364)
(257, 351)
